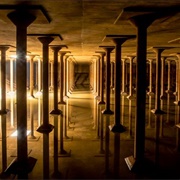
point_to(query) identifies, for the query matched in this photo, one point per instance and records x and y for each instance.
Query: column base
(2, 112)
(20, 168)
(138, 166)
(56, 112)
(97, 97)
(123, 93)
(162, 97)
(107, 111)
(157, 111)
(150, 93)
(66, 97)
(64, 153)
(130, 97)
(101, 102)
(62, 102)
(175, 93)
(177, 103)
(168, 91)
(45, 128)
(117, 128)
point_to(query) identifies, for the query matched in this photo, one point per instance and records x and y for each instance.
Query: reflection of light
(14, 134)
(15, 56)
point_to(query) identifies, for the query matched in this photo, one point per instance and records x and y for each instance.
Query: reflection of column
(130, 120)
(130, 96)
(31, 75)
(169, 77)
(123, 77)
(3, 79)
(163, 96)
(178, 129)
(21, 23)
(150, 93)
(157, 109)
(108, 50)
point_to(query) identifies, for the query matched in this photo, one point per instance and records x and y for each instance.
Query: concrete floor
(88, 155)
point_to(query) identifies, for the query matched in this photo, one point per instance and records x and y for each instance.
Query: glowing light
(14, 134)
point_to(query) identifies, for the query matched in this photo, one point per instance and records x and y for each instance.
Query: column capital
(102, 53)
(4, 47)
(108, 49)
(21, 18)
(62, 53)
(57, 48)
(120, 39)
(45, 40)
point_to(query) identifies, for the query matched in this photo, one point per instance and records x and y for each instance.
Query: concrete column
(108, 50)
(45, 128)
(102, 78)
(52, 73)
(141, 23)
(123, 77)
(66, 80)
(62, 54)
(56, 49)
(163, 96)
(3, 49)
(177, 74)
(11, 75)
(112, 75)
(98, 77)
(39, 75)
(169, 77)
(150, 93)
(118, 40)
(158, 51)
(177, 102)
(130, 96)
(32, 76)
(21, 23)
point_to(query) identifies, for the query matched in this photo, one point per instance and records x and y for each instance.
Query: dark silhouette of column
(21, 23)
(108, 50)
(3, 49)
(118, 40)
(101, 101)
(130, 96)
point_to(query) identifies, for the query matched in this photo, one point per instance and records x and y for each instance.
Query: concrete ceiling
(83, 24)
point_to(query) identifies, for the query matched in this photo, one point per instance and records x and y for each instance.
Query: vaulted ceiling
(83, 24)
